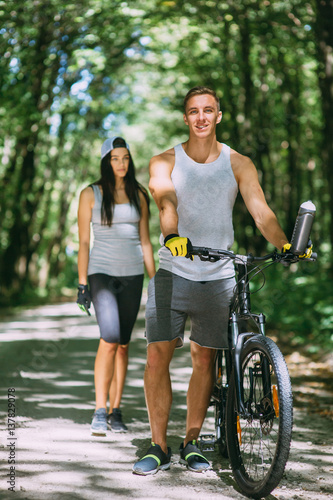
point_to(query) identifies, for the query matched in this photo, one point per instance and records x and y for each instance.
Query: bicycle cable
(248, 277)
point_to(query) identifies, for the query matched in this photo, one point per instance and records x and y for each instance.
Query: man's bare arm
(163, 192)
(254, 199)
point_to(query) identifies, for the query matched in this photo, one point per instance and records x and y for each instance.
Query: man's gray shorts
(171, 299)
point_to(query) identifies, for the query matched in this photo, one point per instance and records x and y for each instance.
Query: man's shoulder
(167, 155)
(239, 161)
(166, 159)
(236, 156)
(242, 166)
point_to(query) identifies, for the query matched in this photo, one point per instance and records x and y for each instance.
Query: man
(194, 186)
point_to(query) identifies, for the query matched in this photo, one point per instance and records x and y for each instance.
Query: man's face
(202, 115)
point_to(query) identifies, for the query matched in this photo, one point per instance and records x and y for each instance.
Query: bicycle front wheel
(259, 440)
(219, 396)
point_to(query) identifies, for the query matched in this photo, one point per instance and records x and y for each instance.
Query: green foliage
(73, 73)
(297, 305)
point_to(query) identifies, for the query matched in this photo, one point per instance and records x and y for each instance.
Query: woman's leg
(119, 376)
(104, 370)
(106, 308)
(128, 293)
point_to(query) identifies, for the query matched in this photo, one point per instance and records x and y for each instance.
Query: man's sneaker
(155, 459)
(192, 457)
(98, 424)
(115, 421)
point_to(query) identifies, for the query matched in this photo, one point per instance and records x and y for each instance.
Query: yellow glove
(306, 255)
(178, 246)
(286, 247)
(308, 252)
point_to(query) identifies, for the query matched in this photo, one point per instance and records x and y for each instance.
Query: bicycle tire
(259, 445)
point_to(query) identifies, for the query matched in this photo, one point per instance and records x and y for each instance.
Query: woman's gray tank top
(117, 249)
(206, 194)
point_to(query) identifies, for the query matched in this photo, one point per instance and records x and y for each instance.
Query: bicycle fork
(237, 342)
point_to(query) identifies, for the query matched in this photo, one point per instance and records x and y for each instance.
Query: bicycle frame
(241, 308)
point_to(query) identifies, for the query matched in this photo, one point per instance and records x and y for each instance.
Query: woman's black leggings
(116, 302)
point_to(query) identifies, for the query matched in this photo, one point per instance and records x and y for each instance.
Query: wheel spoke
(259, 437)
(260, 428)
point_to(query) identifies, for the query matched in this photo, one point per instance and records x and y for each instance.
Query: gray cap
(108, 145)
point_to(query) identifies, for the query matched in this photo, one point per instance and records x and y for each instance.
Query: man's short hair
(201, 91)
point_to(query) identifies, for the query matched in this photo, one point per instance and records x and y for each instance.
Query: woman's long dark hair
(108, 184)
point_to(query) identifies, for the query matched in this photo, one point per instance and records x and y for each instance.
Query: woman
(118, 207)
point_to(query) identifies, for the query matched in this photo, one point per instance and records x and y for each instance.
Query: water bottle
(302, 228)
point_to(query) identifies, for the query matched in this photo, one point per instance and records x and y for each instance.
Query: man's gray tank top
(206, 194)
(117, 249)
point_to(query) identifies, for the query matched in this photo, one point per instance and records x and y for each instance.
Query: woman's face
(120, 161)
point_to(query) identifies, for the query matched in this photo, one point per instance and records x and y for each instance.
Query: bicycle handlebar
(213, 255)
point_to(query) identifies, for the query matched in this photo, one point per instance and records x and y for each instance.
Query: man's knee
(202, 358)
(159, 355)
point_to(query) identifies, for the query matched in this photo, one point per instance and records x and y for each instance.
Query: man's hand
(286, 247)
(178, 246)
(306, 255)
(308, 251)
(83, 299)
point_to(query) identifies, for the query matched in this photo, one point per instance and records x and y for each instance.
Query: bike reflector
(276, 401)
(239, 431)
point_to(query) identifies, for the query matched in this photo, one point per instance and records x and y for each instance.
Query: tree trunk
(324, 34)
(23, 210)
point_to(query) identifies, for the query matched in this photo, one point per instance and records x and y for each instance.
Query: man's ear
(185, 119)
(219, 117)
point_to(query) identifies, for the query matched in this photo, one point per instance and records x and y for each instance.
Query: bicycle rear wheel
(259, 441)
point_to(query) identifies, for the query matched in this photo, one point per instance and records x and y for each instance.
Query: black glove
(83, 298)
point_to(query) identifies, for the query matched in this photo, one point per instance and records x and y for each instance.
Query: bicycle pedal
(207, 442)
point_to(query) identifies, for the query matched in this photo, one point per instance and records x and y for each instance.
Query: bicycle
(252, 394)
